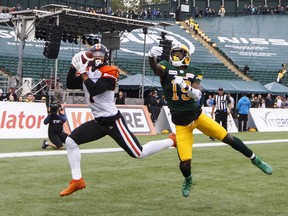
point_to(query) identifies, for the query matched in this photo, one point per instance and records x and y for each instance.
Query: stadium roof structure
(136, 81)
(77, 22)
(233, 86)
(276, 88)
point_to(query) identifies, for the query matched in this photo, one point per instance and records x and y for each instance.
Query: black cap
(220, 89)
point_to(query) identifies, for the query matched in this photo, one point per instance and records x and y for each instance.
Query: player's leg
(185, 139)
(224, 119)
(86, 132)
(129, 142)
(240, 120)
(63, 136)
(56, 142)
(210, 127)
(245, 120)
(238, 145)
(217, 117)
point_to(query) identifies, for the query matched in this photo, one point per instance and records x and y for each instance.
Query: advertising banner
(266, 120)
(164, 121)
(22, 120)
(137, 117)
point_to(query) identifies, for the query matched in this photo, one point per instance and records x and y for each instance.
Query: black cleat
(213, 139)
(44, 144)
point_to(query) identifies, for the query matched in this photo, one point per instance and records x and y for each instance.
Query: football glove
(79, 66)
(194, 93)
(179, 81)
(74, 57)
(155, 51)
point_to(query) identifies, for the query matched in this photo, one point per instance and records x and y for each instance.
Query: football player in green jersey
(181, 87)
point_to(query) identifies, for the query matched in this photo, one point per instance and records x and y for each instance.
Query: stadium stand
(202, 58)
(251, 40)
(234, 36)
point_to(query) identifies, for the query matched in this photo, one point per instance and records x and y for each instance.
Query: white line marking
(106, 150)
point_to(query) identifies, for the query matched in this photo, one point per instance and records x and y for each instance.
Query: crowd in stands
(145, 13)
(156, 13)
(257, 100)
(247, 10)
(13, 96)
(18, 7)
(264, 10)
(133, 14)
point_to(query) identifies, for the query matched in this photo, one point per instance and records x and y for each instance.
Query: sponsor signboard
(26, 120)
(266, 120)
(164, 121)
(137, 117)
(22, 120)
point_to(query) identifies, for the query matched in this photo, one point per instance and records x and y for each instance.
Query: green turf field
(225, 182)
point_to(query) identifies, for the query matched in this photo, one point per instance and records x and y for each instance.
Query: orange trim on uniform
(127, 137)
(110, 70)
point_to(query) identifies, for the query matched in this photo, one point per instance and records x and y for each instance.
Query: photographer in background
(55, 119)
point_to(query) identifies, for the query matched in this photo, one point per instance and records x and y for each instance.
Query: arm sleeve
(194, 93)
(47, 119)
(102, 85)
(63, 117)
(73, 82)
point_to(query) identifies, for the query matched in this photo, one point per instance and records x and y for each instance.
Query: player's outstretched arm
(102, 85)
(153, 54)
(73, 82)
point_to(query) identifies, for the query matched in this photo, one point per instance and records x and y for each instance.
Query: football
(87, 56)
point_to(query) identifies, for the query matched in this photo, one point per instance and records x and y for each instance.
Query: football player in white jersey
(98, 80)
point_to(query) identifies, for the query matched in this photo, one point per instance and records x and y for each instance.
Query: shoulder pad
(109, 71)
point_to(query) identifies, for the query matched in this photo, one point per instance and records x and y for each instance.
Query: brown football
(87, 56)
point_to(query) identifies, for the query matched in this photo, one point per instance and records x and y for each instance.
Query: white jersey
(103, 105)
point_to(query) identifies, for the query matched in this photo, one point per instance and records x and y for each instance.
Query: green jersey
(183, 108)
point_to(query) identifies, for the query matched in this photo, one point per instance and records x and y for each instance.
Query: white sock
(74, 158)
(155, 146)
(252, 157)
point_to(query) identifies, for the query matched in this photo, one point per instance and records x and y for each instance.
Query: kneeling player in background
(56, 134)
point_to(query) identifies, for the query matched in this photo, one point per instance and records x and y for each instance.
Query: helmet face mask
(100, 53)
(180, 56)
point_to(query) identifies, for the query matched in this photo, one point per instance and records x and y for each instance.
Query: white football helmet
(180, 55)
(100, 53)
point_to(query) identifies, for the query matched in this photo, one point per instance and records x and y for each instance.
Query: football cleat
(213, 139)
(173, 137)
(74, 186)
(44, 144)
(266, 168)
(186, 187)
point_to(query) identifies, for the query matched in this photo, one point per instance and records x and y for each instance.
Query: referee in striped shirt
(221, 102)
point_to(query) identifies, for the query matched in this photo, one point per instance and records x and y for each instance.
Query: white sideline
(106, 150)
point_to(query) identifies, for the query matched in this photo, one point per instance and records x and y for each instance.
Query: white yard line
(106, 150)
